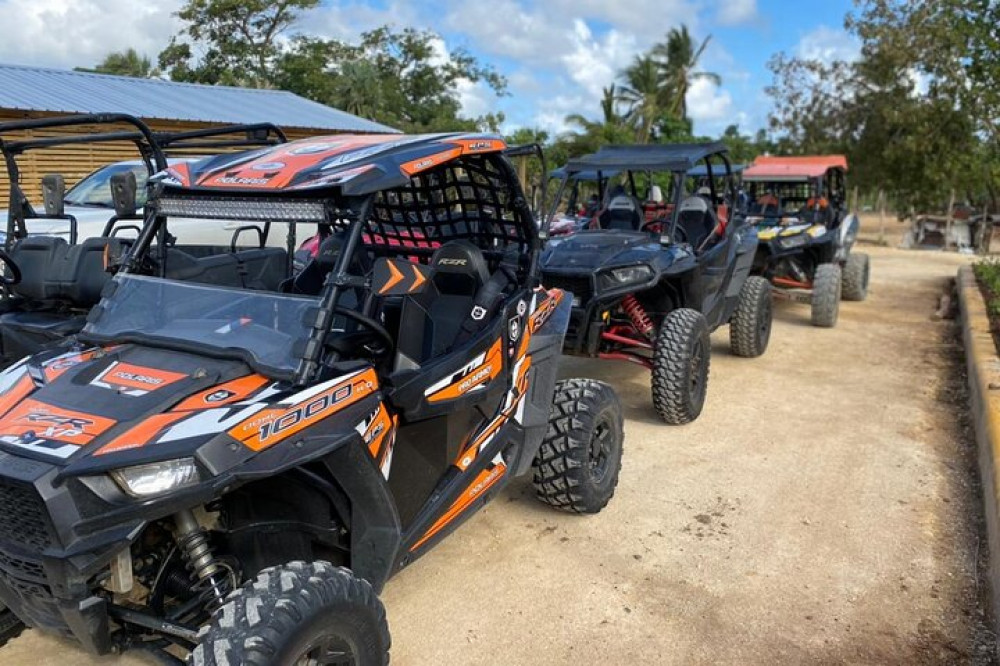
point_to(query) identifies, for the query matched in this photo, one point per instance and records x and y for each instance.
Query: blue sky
(557, 54)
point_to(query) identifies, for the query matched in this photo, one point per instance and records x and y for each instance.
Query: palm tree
(679, 58)
(646, 94)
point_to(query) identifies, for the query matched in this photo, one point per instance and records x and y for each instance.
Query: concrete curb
(984, 397)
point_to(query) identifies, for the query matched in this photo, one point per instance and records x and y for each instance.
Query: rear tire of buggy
(855, 280)
(826, 295)
(10, 626)
(750, 326)
(576, 468)
(681, 358)
(293, 612)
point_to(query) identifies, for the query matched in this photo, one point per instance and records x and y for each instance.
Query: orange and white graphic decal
(53, 430)
(483, 482)
(223, 394)
(271, 425)
(475, 376)
(142, 434)
(20, 388)
(379, 434)
(135, 380)
(57, 366)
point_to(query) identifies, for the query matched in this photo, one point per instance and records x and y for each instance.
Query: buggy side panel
(726, 269)
(847, 233)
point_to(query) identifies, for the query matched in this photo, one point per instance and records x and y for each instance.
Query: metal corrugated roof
(64, 91)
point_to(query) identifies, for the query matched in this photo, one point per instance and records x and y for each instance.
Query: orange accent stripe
(18, 392)
(141, 434)
(481, 484)
(791, 284)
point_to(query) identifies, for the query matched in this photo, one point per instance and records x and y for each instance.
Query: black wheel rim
(696, 379)
(601, 447)
(328, 650)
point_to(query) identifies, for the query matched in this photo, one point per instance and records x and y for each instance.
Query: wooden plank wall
(76, 161)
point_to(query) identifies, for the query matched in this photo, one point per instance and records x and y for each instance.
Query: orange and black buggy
(233, 456)
(806, 232)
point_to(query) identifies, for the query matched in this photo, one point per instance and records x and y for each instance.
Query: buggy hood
(589, 251)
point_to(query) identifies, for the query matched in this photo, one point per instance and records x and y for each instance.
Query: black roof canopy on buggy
(680, 157)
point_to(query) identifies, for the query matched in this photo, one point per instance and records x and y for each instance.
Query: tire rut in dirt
(826, 296)
(750, 327)
(289, 612)
(577, 466)
(681, 359)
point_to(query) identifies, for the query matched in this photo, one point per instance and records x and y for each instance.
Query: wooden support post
(854, 200)
(984, 232)
(949, 221)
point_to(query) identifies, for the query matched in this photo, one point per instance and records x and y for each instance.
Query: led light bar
(248, 209)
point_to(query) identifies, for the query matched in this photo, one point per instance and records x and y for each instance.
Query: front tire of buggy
(577, 466)
(300, 612)
(826, 295)
(856, 274)
(681, 357)
(750, 326)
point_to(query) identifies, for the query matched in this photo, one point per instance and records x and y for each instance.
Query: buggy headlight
(620, 277)
(790, 242)
(157, 478)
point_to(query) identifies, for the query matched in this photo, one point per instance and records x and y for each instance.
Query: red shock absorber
(633, 308)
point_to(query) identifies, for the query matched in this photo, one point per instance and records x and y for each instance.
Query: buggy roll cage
(151, 146)
(528, 150)
(408, 192)
(678, 159)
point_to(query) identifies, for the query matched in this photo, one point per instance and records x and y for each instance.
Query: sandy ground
(821, 511)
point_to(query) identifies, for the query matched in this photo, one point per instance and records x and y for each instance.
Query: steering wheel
(370, 324)
(11, 266)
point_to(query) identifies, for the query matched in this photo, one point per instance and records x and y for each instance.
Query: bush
(987, 273)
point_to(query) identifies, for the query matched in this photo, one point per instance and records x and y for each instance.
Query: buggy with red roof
(806, 232)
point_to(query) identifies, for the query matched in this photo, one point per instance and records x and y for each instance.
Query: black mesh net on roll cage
(469, 198)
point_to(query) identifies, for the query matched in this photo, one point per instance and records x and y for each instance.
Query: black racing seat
(622, 212)
(459, 299)
(59, 282)
(696, 221)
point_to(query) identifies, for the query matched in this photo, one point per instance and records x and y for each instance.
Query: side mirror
(54, 195)
(123, 189)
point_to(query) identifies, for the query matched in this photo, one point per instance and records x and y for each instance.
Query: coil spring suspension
(213, 579)
(637, 314)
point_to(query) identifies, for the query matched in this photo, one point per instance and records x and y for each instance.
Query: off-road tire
(750, 325)
(10, 626)
(855, 279)
(577, 466)
(681, 358)
(826, 295)
(274, 619)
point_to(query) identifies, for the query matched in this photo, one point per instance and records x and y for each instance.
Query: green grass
(988, 273)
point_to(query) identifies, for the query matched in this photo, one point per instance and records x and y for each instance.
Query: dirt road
(820, 512)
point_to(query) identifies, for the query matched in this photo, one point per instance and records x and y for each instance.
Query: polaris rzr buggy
(651, 283)
(235, 471)
(53, 269)
(806, 232)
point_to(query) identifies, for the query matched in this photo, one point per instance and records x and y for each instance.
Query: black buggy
(806, 232)
(54, 260)
(232, 457)
(652, 282)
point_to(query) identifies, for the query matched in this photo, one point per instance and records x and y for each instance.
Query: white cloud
(74, 33)
(709, 105)
(827, 45)
(736, 12)
(593, 63)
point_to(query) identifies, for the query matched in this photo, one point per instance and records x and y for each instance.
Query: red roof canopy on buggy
(773, 167)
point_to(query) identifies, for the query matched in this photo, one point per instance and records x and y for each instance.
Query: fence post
(881, 216)
(949, 221)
